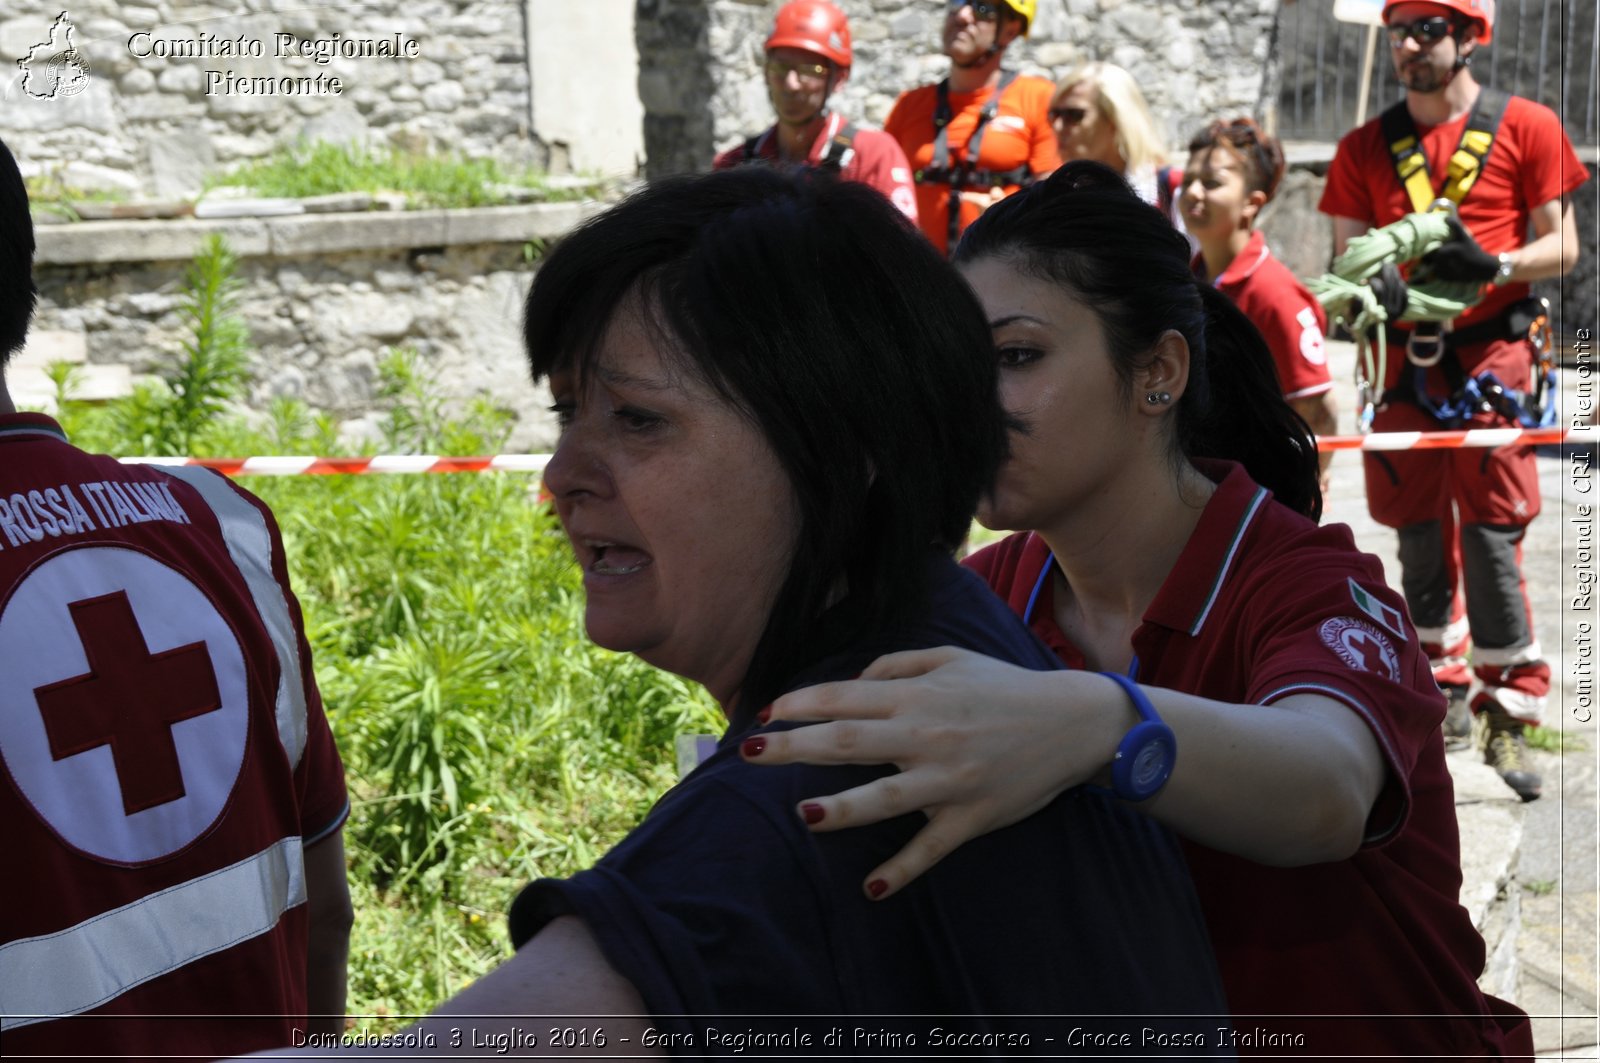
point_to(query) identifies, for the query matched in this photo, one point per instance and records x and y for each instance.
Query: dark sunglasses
(1423, 30)
(982, 10)
(1068, 115)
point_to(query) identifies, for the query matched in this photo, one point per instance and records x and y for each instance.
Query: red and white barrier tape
(1471, 437)
(392, 463)
(308, 466)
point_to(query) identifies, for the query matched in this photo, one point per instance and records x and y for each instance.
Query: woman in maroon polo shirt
(1239, 673)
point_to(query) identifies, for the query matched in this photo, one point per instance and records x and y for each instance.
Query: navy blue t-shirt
(721, 903)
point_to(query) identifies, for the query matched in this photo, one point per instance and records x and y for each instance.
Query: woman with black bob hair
(1260, 690)
(779, 409)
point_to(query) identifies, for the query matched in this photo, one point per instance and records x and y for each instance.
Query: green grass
(50, 189)
(426, 180)
(1554, 740)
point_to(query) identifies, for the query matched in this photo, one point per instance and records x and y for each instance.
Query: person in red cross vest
(982, 133)
(173, 800)
(1461, 514)
(808, 56)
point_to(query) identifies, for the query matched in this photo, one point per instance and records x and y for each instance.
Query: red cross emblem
(124, 702)
(1361, 646)
(129, 699)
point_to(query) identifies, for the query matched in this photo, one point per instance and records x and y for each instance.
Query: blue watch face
(1144, 761)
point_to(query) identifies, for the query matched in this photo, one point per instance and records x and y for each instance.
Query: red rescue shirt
(1288, 315)
(1530, 164)
(874, 159)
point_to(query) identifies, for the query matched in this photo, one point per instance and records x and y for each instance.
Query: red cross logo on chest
(129, 699)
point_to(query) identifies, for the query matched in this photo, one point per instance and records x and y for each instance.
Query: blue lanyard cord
(1033, 600)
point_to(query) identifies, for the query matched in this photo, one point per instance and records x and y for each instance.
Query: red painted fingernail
(753, 747)
(812, 813)
(764, 715)
(877, 888)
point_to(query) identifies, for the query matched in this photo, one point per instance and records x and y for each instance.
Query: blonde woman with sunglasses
(1098, 113)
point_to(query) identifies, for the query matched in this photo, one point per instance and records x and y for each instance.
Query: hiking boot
(1507, 752)
(1457, 716)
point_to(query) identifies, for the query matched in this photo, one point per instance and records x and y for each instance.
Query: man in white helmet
(1506, 165)
(808, 57)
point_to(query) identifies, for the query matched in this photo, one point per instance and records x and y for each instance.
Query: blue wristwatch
(1146, 754)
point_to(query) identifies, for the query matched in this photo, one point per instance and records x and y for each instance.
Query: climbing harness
(964, 174)
(837, 155)
(1432, 305)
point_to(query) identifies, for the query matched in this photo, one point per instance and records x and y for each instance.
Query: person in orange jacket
(983, 132)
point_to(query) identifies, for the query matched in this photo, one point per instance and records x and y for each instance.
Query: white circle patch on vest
(1361, 646)
(125, 709)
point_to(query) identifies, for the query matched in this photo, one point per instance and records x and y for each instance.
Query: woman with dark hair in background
(1172, 497)
(779, 409)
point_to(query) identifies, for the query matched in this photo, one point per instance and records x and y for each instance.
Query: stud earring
(1157, 398)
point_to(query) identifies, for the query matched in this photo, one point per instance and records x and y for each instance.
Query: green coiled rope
(1348, 301)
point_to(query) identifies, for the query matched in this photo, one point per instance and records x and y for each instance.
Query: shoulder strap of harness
(840, 148)
(1467, 162)
(750, 148)
(957, 175)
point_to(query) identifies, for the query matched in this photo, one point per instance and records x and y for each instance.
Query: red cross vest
(166, 759)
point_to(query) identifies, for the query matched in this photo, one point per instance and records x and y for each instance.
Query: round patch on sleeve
(1361, 646)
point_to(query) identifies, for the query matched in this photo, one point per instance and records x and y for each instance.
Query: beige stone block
(45, 346)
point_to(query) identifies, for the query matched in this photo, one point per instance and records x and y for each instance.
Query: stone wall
(167, 98)
(324, 297)
(701, 85)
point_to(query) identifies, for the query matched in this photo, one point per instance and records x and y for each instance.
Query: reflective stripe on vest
(250, 547)
(74, 970)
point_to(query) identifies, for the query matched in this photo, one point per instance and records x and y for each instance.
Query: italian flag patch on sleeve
(1387, 617)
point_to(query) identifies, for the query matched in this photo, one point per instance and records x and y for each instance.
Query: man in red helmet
(1506, 164)
(808, 56)
(982, 133)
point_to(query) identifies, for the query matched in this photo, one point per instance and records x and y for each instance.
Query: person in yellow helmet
(983, 132)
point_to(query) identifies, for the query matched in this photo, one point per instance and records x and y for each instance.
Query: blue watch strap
(1146, 755)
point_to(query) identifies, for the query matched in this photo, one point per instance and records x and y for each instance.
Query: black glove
(1391, 291)
(1460, 258)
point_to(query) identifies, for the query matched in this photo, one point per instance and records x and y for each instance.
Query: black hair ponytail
(1240, 413)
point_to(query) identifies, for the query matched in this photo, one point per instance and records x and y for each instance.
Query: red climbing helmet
(814, 26)
(1478, 12)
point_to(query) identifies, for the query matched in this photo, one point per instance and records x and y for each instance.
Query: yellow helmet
(1026, 9)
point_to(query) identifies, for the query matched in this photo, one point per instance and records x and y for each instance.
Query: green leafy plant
(175, 413)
